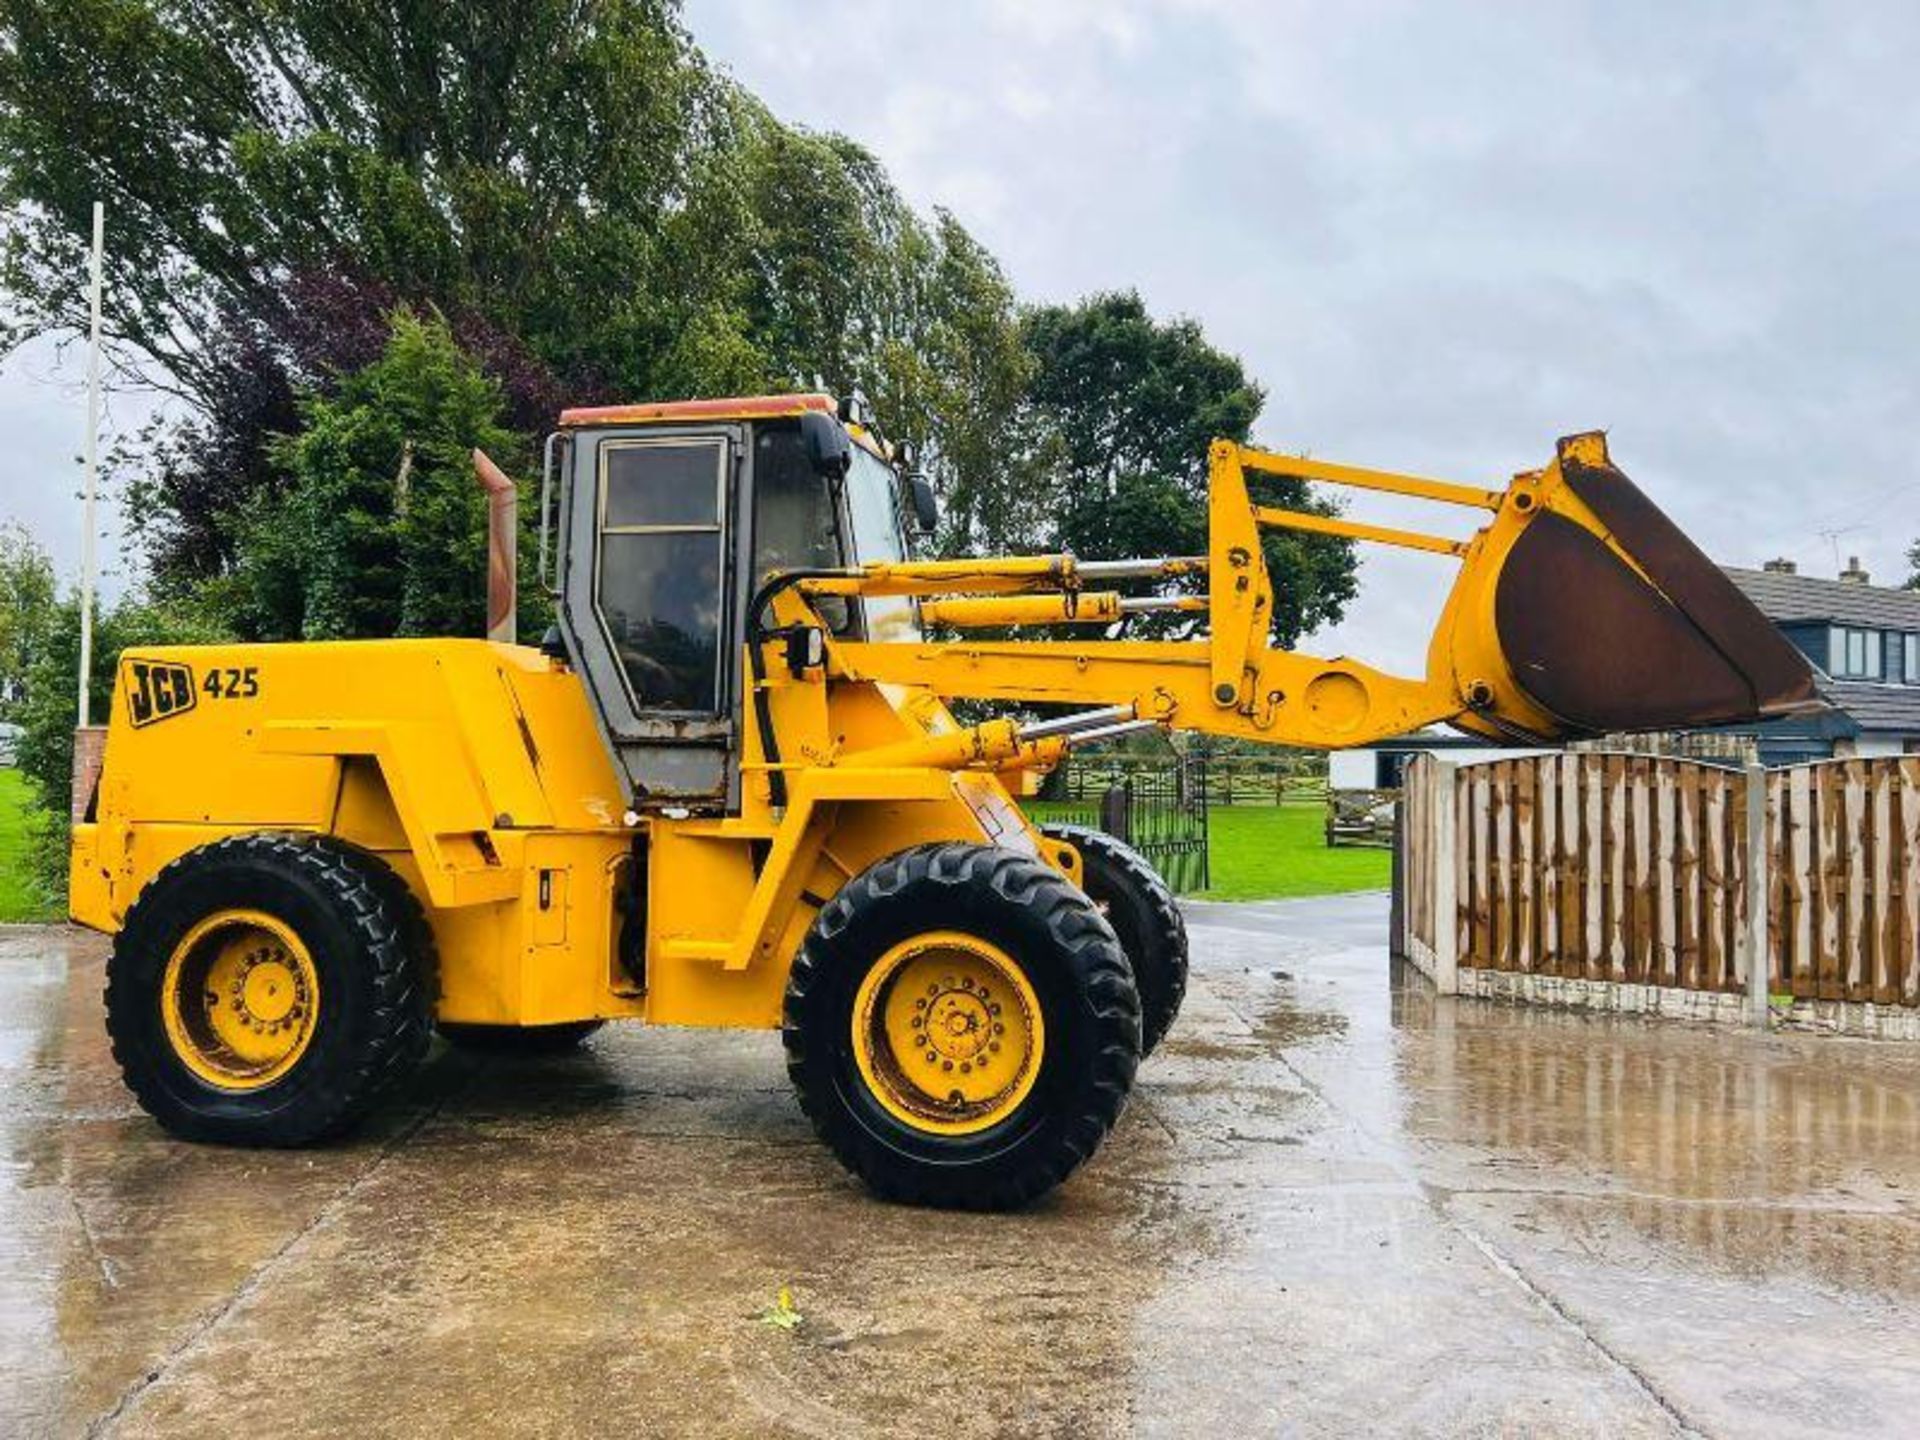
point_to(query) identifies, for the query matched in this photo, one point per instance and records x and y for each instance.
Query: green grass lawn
(1276, 852)
(18, 902)
(1273, 852)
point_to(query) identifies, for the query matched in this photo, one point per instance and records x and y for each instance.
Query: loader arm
(1579, 609)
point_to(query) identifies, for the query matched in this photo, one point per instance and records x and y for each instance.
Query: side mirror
(829, 448)
(926, 509)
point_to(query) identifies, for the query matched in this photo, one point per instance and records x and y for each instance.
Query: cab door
(651, 595)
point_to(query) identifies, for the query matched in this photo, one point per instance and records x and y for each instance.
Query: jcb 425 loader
(733, 794)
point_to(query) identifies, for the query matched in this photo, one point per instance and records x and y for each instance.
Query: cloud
(1442, 236)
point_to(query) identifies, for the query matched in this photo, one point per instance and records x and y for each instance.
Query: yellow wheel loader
(730, 792)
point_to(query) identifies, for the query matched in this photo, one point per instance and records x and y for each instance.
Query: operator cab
(671, 518)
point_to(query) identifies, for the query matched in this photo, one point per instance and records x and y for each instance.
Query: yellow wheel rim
(947, 1033)
(239, 999)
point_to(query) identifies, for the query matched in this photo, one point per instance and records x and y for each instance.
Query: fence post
(1446, 907)
(1116, 809)
(1753, 940)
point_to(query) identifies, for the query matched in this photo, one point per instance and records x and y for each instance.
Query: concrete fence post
(1446, 905)
(1753, 939)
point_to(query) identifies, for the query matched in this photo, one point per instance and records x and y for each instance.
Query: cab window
(796, 524)
(872, 490)
(661, 573)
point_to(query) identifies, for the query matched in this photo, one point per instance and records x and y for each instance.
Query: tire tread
(1163, 982)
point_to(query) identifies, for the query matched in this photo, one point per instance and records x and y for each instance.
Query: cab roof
(731, 407)
(735, 407)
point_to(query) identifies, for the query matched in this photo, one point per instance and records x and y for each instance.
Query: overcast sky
(1442, 235)
(1439, 235)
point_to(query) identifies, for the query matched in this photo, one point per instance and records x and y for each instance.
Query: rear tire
(1041, 954)
(526, 1040)
(1143, 913)
(293, 948)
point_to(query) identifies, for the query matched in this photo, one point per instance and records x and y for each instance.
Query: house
(1864, 642)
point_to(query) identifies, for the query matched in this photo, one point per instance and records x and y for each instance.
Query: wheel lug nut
(946, 1064)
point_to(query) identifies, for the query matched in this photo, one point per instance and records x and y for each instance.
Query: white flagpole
(92, 468)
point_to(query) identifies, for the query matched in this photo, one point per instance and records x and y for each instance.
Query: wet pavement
(1335, 1205)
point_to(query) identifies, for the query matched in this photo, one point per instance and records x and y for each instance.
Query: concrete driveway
(1335, 1205)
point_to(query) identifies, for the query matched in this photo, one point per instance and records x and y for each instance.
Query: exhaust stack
(503, 567)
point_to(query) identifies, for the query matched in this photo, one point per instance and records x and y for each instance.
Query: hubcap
(239, 999)
(947, 1033)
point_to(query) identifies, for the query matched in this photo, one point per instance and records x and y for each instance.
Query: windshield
(872, 495)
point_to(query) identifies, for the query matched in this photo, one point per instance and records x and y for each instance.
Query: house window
(1857, 654)
(1910, 672)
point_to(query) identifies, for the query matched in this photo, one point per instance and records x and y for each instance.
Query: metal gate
(1161, 811)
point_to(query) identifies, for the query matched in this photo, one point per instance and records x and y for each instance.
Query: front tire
(961, 1027)
(263, 991)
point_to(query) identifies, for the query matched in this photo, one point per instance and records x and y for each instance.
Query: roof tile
(1786, 598)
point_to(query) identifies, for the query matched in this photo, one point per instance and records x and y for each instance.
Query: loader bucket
(1602, 647)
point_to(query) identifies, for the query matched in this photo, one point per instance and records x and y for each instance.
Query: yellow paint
(1084, 608)
(239, 999)
(947, 1033)
(1355, 530)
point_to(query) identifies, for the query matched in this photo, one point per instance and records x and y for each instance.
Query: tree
(280, 178)
(1125, 406)
(1913, 563)
(383, 529)
(26, 613)
(596, 214)
(466, 156)
(958, 389)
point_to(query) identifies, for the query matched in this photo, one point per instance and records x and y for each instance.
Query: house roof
(1784, 599)
(1787, 599)
(1876, 707)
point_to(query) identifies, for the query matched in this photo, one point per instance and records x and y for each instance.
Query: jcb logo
(156, 691)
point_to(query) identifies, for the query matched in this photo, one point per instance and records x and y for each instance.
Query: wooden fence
(1640, 870)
